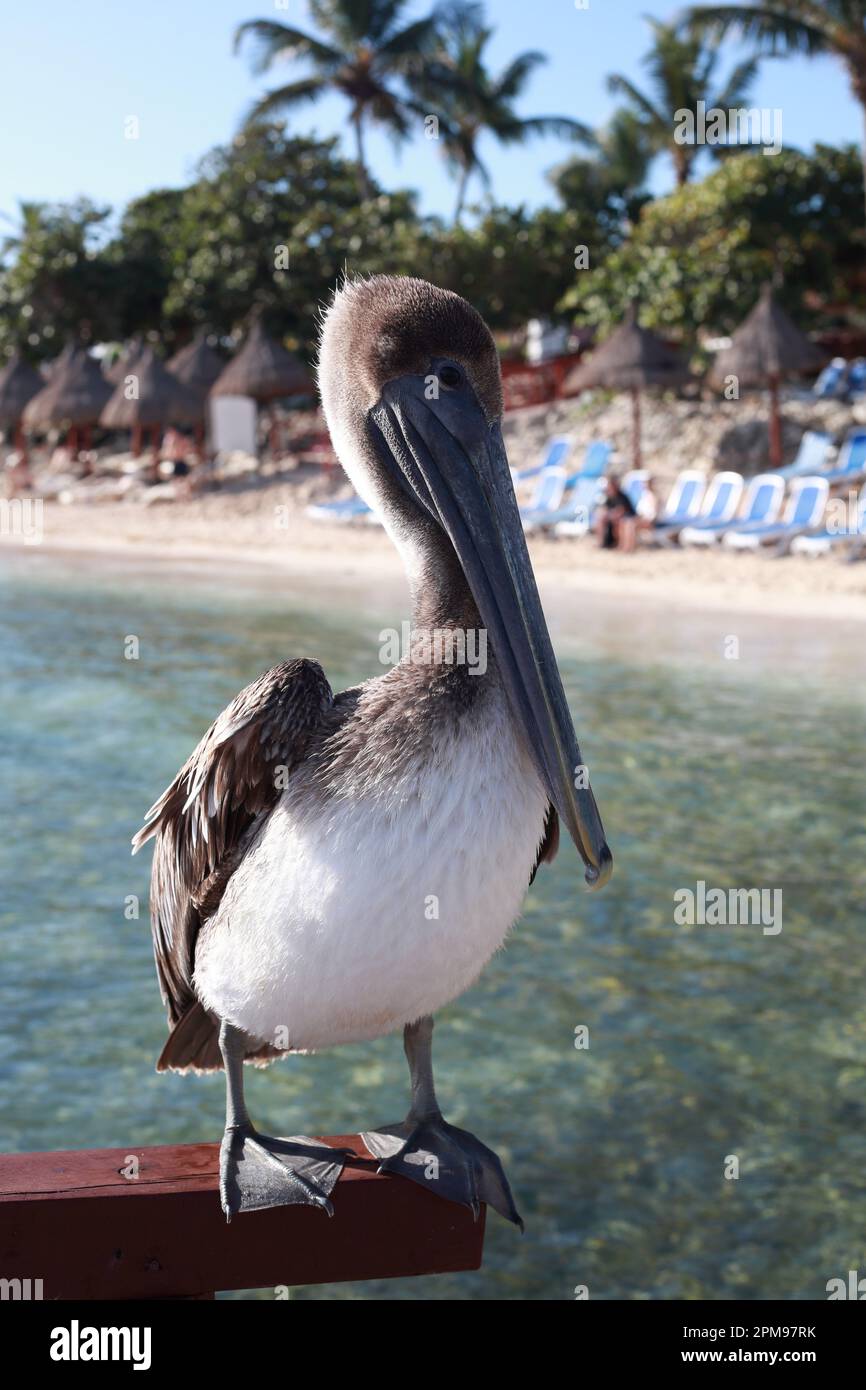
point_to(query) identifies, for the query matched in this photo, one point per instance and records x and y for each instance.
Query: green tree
(698, 258)
(470, 102)
(55, 279)
(270, 223)
(608, 187)
(144, 251)
(367, 56)
(813, 27)
(682, 68)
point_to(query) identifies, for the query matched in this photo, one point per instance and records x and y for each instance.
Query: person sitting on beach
(616, 519)
(647, 508)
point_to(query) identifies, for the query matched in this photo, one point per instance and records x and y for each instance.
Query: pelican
(333, 868)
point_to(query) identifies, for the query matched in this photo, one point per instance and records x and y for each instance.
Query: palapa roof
(161, 399)
(197, 365)
(19, 383)
(47, 369)
(123, 363)
(767, 346)
(263, 369)
(632, 357)
(75, 394)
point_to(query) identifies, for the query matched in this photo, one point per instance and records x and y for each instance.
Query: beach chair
(762, 503)
(633, 484)
(830, 382)
(348, 509)
(811, 455)
(822, 542)
(856, 380)
(558, 449)
(806, 502)
(548, 495)
(574, 516)
(851, 463)
(683, 504)
(596, 459)
(721, 500)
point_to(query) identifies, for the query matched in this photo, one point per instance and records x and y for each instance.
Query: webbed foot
(450, 1161)
(257, 1171)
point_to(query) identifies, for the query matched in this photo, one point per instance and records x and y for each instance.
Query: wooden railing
(146, 1224)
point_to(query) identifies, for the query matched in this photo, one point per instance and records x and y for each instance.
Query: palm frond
(412, 42)
(285, 98)
(272, 42)
(621, 86)
(737, 88)
(511, 82)
(772, 28)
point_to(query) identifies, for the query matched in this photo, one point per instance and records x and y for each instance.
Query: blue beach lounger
(573, 517)
(851, 464)
(683, 504)
(548, 495)
(721, 500)
(558, 449)
(822, 542)
(348, 509)
(762, 503)
(811, 455)
(806, 502)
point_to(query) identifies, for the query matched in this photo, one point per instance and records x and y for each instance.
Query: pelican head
(411, 389)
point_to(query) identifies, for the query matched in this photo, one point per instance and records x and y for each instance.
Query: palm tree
(682, 66)
(364, 57)
(836, 27)
(478, 103)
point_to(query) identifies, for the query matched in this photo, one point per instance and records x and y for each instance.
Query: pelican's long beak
(444, 452)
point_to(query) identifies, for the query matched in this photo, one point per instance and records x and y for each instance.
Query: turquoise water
(705, 1042)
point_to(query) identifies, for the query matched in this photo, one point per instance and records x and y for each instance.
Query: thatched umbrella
(19, 383)
(47, 369)
(73, 398)
(196, 365)
(124, 362)
(631, 359)
(154, 398)
(264, 370)
(766, 348)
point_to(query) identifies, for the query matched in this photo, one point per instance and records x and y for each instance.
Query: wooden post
(636, 427)
(146, 1224)
(775, 425)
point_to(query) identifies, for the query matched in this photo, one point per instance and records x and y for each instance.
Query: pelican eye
(450, 376)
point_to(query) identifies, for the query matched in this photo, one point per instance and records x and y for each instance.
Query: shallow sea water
(705, 1042)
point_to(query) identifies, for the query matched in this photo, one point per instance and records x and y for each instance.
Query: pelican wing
(203, 822)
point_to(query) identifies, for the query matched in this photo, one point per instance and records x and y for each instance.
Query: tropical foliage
(271, 221)
(682, 67)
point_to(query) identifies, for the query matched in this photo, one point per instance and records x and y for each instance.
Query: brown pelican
(332, 868)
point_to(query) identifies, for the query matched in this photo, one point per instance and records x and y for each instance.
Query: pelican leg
(257, 1171)
(424, 1147)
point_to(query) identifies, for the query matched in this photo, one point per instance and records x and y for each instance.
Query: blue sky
(74, 72)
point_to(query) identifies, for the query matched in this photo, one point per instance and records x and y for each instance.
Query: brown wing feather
(201, 823)
(549, 842)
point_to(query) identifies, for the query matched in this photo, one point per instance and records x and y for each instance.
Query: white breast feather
(377, 909)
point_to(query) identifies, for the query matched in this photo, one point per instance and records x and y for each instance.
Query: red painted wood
(73, 1220)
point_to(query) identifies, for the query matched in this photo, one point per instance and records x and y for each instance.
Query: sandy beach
(266, 526)
(793, 614)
